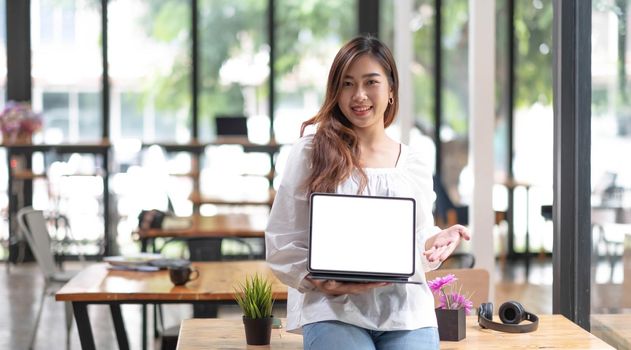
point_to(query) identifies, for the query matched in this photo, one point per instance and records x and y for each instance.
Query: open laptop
(231, 126)
(362, 238)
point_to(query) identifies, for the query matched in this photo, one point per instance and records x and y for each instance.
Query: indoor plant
(255, 299)
(452, 309)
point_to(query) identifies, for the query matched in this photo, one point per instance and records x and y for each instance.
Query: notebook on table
(362, 238)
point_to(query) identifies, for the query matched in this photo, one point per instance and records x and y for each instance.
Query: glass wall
(66, 69)
(455, 97)
(149, 46)
(66, 72)
(532, 119)
(234, 61)
(309, 34)
(150, 69)
(422, 27)
(610, 172)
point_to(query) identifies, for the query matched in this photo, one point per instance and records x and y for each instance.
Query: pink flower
(452, 299)
(440, 282)
(455, 301)
(17, 117)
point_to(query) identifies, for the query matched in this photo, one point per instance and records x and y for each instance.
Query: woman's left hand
(441, 245)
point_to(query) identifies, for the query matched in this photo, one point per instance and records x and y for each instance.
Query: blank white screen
(362, 234)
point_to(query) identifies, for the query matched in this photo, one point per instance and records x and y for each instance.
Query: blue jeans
(329, 335)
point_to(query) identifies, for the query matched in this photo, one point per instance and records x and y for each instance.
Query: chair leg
(69, 318)
(158, 320)
(37, 318)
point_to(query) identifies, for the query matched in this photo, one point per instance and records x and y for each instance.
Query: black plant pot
(452, 324)
(258, 331)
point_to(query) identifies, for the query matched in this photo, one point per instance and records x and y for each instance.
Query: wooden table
(615, 329)
(221, 225)
(216, 226)
(555, 332)
(99, 285)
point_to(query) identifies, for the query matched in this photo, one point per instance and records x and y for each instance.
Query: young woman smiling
(350, 153)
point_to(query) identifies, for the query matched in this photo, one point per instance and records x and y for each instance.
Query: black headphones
(511, 313)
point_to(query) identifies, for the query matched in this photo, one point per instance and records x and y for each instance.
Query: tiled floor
(21, 285)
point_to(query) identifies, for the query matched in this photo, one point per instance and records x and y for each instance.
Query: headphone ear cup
(486, 311)
(512, 312)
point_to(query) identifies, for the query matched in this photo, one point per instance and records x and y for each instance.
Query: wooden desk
(555, 332)
(198, 199)
(614, 329)
(99, 285)
(217, 226)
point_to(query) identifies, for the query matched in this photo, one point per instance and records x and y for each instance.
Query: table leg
(144, 326)
(119, 327)
(83, 325)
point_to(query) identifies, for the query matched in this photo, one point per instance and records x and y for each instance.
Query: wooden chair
(474, 282)
(458, 261)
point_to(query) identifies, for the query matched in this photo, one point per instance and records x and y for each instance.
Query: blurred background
(139, 84)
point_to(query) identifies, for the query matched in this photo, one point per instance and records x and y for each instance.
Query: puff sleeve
(287, 232)
(420, 175)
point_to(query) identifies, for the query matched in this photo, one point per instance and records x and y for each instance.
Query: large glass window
(234, 64)
(309, 34)
(422, 27)
(150, 69)
(455, 97)
(66, 65)
(532, 119)
(610, 172)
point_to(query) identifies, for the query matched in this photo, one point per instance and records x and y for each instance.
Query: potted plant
(18, 123)
(255, 299)
(452, 309)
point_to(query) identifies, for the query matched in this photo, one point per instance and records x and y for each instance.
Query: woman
(350, 153)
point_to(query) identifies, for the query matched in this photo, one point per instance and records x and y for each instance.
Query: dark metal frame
(105, 81)
(18, 36)
(572, 163)
(109, 238)
(18, 33)
(510, 96)
(271, 33)
(194, 72)
(368, 17)
(438, 83)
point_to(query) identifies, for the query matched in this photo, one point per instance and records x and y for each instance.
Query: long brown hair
(335, 145)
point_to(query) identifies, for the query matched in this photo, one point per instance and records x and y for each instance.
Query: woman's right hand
(336, 288)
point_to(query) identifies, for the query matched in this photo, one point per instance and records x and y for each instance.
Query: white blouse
(393, 307)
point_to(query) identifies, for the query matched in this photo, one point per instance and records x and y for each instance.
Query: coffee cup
(179, 275)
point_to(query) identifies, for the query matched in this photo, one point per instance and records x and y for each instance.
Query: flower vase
(258, 331)
(24, 138)
(16, 138)
(451, 324)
